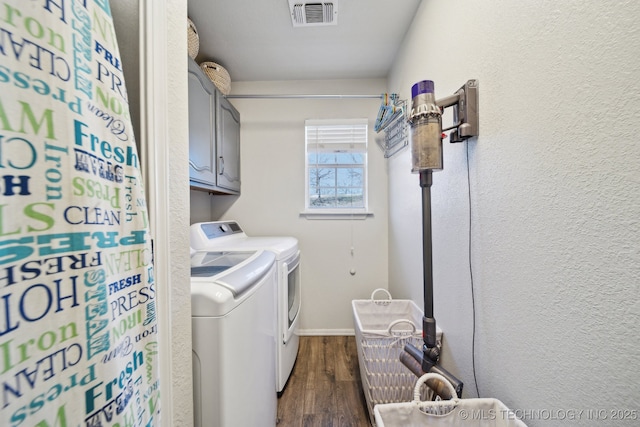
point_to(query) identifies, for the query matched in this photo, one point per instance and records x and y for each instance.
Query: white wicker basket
(383, 327)
(218, 75)
(193, 39)
(482, 412)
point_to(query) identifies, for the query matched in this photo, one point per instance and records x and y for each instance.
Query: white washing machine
(233, 326)
(228, 236)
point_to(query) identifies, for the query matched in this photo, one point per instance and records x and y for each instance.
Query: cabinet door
(202, 115)
(228, 144)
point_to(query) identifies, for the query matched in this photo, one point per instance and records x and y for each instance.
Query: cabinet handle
(221, 165)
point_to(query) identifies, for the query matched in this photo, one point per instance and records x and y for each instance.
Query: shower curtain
(78, 327)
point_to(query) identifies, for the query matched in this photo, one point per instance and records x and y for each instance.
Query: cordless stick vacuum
(426, 153)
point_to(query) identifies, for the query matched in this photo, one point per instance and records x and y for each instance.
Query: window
(336, 166)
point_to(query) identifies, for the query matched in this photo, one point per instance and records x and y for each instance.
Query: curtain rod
(305, 96)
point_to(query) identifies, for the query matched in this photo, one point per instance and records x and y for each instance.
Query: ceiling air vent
(313, 13)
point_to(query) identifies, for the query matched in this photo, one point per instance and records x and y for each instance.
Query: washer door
(210, 264)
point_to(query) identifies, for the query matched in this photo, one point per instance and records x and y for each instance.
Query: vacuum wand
(422, 362)
(428, 321)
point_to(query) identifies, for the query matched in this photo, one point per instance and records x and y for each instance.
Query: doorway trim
(154, 148)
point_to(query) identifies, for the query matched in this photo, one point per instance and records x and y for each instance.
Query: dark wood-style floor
(324, 389)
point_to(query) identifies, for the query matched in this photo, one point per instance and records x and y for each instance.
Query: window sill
(335, 214)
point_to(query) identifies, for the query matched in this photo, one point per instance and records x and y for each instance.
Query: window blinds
(339, 136)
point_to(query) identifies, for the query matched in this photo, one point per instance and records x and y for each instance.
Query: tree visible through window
(336, 163)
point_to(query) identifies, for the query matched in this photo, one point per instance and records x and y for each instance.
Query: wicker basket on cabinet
(193, 39)
(218, 75)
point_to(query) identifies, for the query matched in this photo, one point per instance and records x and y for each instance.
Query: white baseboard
(326, 332)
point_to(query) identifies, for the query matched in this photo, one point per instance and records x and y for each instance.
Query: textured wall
(554, 199)
(179, 291)
(177, 389)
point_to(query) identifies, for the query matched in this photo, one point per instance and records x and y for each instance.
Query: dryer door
(292, 295)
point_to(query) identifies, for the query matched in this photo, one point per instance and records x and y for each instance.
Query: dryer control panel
(218, 229)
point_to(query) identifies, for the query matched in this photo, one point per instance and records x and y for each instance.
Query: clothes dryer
(229, 236)
(233, 338)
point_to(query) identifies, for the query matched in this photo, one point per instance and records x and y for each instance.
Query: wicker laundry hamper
(481, 412)
(382, 328)
(193, 39)
(218, 75)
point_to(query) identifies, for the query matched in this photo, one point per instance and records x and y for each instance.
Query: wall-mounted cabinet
(214, 137)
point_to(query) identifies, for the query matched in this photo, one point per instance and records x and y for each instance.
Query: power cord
(473, 299)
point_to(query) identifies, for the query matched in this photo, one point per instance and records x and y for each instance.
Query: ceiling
(255, 40)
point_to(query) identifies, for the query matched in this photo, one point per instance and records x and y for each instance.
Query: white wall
(178, 290)
(554, 200)
(174, 310)
(272, 173)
